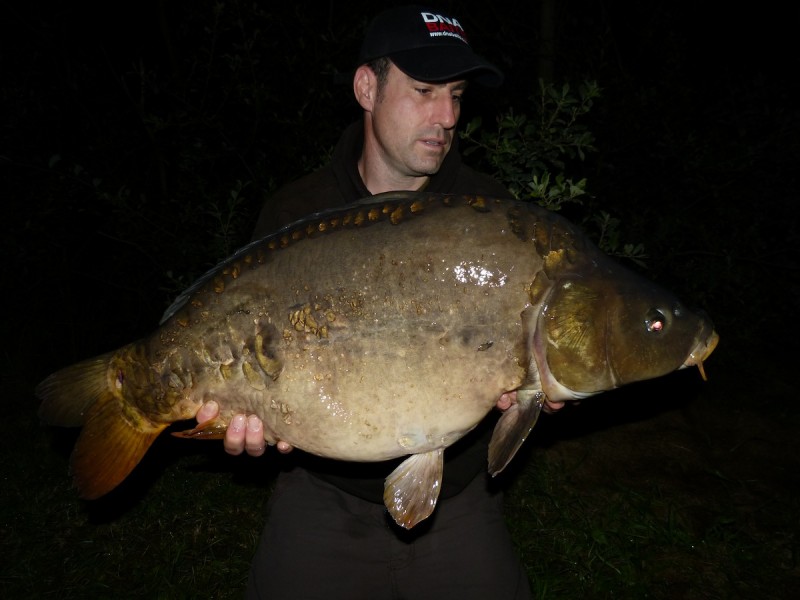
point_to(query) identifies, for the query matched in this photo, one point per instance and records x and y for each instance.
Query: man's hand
(509, 398)
(244, 433)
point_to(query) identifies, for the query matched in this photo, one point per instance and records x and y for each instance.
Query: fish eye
(655, 321)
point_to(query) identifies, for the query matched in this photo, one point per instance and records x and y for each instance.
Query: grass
(623, 542)
(169, 532)
(696, 502)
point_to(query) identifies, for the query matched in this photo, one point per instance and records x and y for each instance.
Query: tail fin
(115, 435)
(68, 394)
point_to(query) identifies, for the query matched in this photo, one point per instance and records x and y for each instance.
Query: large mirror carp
(385, 329)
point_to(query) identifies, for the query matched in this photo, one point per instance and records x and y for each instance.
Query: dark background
(138, 141)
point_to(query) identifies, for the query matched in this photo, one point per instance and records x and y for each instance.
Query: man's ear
(365, 86)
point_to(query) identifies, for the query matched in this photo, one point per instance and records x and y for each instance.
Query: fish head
(594, 325)
(603, 327)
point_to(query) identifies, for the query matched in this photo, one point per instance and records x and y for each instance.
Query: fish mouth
(701, 352)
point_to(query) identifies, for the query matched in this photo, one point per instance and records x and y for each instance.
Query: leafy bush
(531, 155)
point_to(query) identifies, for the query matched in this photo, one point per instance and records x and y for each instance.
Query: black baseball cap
(426, 44)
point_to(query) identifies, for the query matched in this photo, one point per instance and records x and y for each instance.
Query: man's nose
(446, 113)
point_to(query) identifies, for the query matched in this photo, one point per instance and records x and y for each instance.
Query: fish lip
(702, 350)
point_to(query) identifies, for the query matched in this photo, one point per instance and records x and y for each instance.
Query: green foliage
(532, 154)
(524, 151)
(607, 229)
(227, 216)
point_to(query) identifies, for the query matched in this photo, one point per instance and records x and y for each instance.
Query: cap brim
(440, 64)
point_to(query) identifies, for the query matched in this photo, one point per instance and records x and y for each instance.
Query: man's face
(413, 123)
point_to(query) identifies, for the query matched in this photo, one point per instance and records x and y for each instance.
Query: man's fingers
(254, 436)
(284, 447)
(551, 407)
(247, 434)
(234, 436)
(208, 411)
(506, 400)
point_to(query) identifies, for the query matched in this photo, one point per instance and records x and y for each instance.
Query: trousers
(320, 542)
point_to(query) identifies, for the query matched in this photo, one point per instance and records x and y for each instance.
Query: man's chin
(428, 168)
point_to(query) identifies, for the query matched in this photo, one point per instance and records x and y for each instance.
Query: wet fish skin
(385, 329)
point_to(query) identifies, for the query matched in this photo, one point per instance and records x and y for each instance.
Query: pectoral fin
(513, 427)
(412, 489)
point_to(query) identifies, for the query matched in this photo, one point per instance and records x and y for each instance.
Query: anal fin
(412, 489)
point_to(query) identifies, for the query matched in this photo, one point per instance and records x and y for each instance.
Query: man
(328, 533)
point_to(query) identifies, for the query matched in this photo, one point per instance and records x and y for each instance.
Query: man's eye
(458, 99)
(423, 91)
